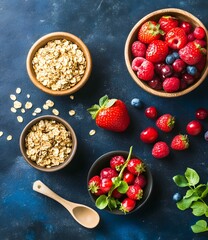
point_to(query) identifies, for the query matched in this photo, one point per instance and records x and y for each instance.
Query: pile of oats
(48, 143)
(59, 65)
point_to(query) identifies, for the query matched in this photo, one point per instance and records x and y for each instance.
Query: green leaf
(112, 203)
(189, 193)
(205, 192)
(116, 181)
(94, 110)
(101, 202)
(199, 208)
(191, 176)
(185, 203)
(200, 226)
(123, 187)
(103, 101)
(180, 181)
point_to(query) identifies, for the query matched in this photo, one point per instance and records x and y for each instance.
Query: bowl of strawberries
(119, 182)
(166, 52)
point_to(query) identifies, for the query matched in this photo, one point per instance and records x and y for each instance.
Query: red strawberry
(108, 173)
(136, 166)
(134, 192)
(167, 23)
(127, 205)
(192, 53)
(144, 68)
(160, 150)
(105, 185)
(94, 186)
(157, 51)
(149, 31)
(149, 135)
(116, 194)
(165, 122)
(117, 162)
(110, 114)
(138, 49)
(171, 84)
(180, 142)
(176, 38)
(141, 180)
(128, 177)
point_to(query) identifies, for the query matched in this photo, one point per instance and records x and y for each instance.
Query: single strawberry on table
(165, 122)
(180, 142)
(110, 114)
(160, 150)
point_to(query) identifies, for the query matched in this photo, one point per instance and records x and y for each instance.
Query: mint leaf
(189, 193)
(112, 203)
(123, 187)
(191, 176)
(180, 181)
(185, 203)
(116, 181)
(101, 202)
(199, 208)
(205, 192)
(200, 226)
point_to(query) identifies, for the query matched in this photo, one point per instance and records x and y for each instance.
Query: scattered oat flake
(55, 112)
(17, 104)
(13, 97)
(34, 114)
(14, 110)
(49, 103)
(37, 110)
(72, 112)
(1, 133)
(20, 119)
(22, 110)
(46, 107)
(92, 132)
(28, 95)
(28, 105)
(18, 90)
(9, 137)
(71, 97)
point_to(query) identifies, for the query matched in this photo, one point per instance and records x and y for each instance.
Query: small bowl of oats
(48, 143)
(59, 63)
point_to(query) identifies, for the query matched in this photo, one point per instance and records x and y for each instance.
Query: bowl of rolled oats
(59, 63)
(48, 143)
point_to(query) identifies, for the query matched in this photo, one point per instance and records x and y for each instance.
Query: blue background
(104, 26)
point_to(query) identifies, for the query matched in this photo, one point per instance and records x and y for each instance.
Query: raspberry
(171, 84)
(138, 49)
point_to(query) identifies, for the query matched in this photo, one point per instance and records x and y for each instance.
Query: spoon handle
(40, 187)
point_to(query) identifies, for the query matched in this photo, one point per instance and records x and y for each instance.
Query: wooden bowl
(155, 16)
(41, 43)
(104, 161)
(27, 129)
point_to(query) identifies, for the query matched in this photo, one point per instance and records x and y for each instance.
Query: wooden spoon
(84, 215)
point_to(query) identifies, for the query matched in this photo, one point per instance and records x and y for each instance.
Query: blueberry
(177, 197)
(136, 102)
(169, 59)
(175, 55)
(191, 70)
(206, 136)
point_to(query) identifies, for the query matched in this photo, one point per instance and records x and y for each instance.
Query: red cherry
(179, 65)
(155, 83)
(194, 128)
(186, 27)
(191, 37)
(166, 71)
(151, 112)
(199, 33)
(201, 113)
(189, 79)
(149, 135)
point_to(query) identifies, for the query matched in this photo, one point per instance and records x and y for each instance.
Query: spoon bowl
(84, 215)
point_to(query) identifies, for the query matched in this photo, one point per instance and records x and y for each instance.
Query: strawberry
(180, 142)
(157, 51)
(134, 192)
(110, 114)
(141, 180)
(135, 166)
(160, 150)
(127, 205)
(165, 122)
(192, 53)
(176, 38)
(149, 31)
(108, 173)
(105, 185)
(128, 177)
(94, 185)
(171, 84)
(167, 23)
(117, 162)
(144, 68)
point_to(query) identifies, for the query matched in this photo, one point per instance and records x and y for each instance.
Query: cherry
(166, 71)
(189, 79)
(201, 113)
(155, 83)
(194, 128)
(191, 37)
(158, 67)
(199, 33)
(186, 27)
(151, 112)
(183, 85)
(149, 135)
(179, 65)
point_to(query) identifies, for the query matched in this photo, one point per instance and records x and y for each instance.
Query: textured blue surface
(103, 25)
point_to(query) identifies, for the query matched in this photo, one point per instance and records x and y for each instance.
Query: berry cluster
(119, 185)
(169, 54)
(166, 123)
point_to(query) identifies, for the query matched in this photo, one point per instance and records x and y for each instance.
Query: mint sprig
(107, 200)
(194, 198)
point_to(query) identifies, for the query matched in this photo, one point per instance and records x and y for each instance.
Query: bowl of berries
(166, 52)
(119, 182)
